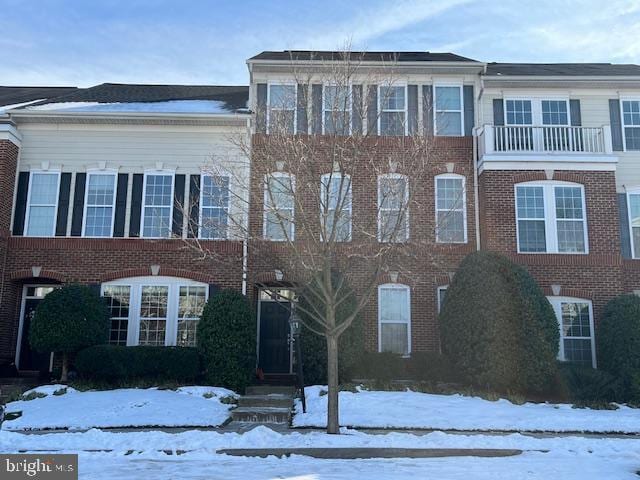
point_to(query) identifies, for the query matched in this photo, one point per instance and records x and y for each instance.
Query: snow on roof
(4, 108)
(171, 106)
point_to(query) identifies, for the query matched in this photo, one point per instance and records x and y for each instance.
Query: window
(393, 110)
(394, 319)
(335, 200)
(118, 299)
(451, 214)
(575, 319)
(393, 210)
(555, 112)
(442, 293)
(99, 205)
(42, 206)
(154, 310)
(518, 112)
(448, 111)
(214, 207)
(634, 222)
(282, 108)
(551, 218)
(279, 207)
(157, 206)
(631, 124)
(336, 110)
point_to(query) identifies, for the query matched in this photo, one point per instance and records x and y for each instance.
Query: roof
(230, 98)
(18, 95)
(318, 55)
(562, 69)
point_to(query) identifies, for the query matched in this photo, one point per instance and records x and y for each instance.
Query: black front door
(30, 359)
(274, 337)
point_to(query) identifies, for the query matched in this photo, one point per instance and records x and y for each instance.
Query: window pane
(44, 188)
(632, 138)
(568, 202)
(449, 123)
(634, 213)
(531, 234)
(394, 338)
(153, 315)
(392, 98)
(449, 193)
(530, 202)
(631, 112)
(282, 97)
(157, 222)
(392, 123)
(41, 221)
(450, 226)
(158, 200)
(191, 304)
(575, 320)
(448, 98)
(336, 122)
(118, 301)
(158, 190)
(281, 121)
(336, 202)
(570, 237)
(392, 192)
(100, 189)
(570, 224)
(518, 112)
(336, 98)
(279, 201)
(554, 112)
(578, 351)
(215, 207)
(278, 225)
(98, 222)
(442, 293)
(394, 305)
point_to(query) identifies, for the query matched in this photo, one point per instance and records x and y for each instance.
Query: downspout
(476, 187)
(245, 243)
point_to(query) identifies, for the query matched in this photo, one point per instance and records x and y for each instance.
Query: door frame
(23, 302)
(289, 335)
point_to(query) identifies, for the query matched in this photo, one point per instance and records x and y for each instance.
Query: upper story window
(394, 318)
(336, 110)
(631, 124)
(279, 207)
(214, 207)
(451, 213)
(448, 109)
(551, 218)
(393, 214)
(282, 108)
(575, 319)
(157, 206)
(518, 112)
(336, 206)
(393, 110)
(42, 204)
(633, 201)
(555, 112)
(529, 112)
(99, 205)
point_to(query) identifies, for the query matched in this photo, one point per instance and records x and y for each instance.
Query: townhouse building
(104, 186)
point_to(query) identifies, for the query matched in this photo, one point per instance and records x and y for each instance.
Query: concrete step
(270, 389)
(273, 400)
(261, 415)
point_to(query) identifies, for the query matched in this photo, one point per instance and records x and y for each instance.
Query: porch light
(294, 322)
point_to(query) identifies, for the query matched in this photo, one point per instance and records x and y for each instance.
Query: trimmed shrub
(498, 327)
(226, 340)
(118, 364)
(67, 320)
(588, 386)
(420, 366)
(431, 367)
(619, 341)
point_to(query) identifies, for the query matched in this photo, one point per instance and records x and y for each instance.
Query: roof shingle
(302, 55)
(562, 69)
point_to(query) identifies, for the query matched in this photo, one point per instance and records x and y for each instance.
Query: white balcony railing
(546, 140)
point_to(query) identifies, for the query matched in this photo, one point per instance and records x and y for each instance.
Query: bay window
(451, 214)
(157, 205)
(575, 319)
(392, 101)
(99, 205)
(42, 204)
(394, 319)
(448, 111)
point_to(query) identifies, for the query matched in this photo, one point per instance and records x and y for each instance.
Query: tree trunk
(333, 425)
(64, 376)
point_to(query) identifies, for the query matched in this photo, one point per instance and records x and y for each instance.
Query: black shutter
(213, 289)
(372, 110)
(498, 112)
(356, 110)
(625, 234)
(136, 205)
(78, 204)
(121, 205)
(63, 205)
(469, 120)
(616, 124)
(178, 205)
(316, 109)
(412, 108)
(574, 109)
(427, 109)
(21, 203)
(301, 114)
(261, 108)
(194, 202)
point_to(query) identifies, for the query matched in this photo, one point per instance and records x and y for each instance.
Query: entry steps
(265, 404)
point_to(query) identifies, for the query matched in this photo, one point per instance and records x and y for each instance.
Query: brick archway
(28, 274)
(163, 272)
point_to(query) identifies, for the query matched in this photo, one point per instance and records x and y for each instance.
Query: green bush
(67, 320)
(498, 327)
(420, 366)
(431, 367)
(226, 340)
(114, 363)
(382, 367)
(619, 341)
(588, 386)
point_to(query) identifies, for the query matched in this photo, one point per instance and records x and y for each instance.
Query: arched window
(575, 320)
(394, 318)
(451, 208)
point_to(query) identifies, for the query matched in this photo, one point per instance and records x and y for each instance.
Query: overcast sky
(86, 42)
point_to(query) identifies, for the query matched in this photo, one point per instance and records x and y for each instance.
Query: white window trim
(464, 204)
(556, 303)
(550, 220)
(267, 201)
(536, 110)
(113, 173)
(55, 211)
(396, 286)
(135, 285)
(435, 110)
(438, 290)
(170, 173)
(202, 207)
(629, 192)
(295, 104)
(405, 110)
(406, 210)
(324, 202)
(622, 124)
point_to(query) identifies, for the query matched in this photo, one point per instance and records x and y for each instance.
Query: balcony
(545, 146)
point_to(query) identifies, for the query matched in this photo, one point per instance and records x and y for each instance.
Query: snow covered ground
(457, 412)
(186, 406)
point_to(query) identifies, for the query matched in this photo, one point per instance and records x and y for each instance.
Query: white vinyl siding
(336, 206)
(394, 319)
(42, 204)
(448, 111)
(451, 209)
(214, 207)
(393, 211)
(575, 320)
(99, 205)
(279, 207)
(157, 205)
(392, 108)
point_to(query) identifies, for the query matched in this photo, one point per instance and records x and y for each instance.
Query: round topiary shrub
(226, 339)
(498, 327)
(619, 342)
(67, 320)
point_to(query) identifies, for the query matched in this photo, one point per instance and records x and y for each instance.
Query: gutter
(241, 117)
